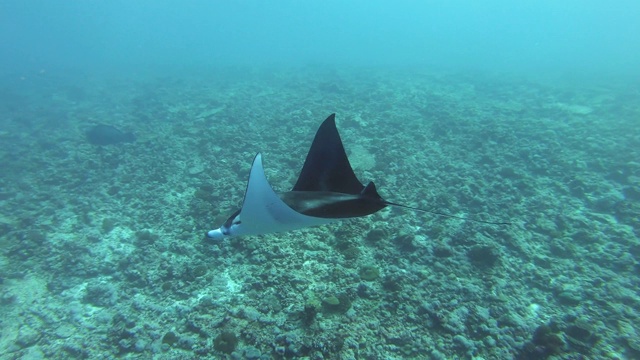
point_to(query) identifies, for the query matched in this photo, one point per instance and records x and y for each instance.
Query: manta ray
(326, 191)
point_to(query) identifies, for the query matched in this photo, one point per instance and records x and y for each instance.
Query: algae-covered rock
(392, 283)
(483, 256)
(369, 273)
(170, 338)
(629, 333)
(377, 235)
(331, 300)
(336, 303)
(226, 342)
(581, 335)
(108, 224)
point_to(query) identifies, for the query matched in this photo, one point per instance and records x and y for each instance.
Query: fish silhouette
(108, 135)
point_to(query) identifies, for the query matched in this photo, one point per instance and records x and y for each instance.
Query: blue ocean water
(530, 36)
(127, 130)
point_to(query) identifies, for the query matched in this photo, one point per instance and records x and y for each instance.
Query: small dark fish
(108, 135)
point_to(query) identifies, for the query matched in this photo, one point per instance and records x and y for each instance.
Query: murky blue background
(553, 36)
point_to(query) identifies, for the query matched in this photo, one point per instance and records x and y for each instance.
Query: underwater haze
(128, 130)
(558, 36)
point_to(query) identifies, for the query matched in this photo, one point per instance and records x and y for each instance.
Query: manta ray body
(326, 191)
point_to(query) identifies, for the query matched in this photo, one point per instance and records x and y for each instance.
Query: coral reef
(103, 247)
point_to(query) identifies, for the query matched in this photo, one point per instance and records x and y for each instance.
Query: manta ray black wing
(327, 167)
(327, 186)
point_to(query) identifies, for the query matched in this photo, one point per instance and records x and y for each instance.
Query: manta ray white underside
(263, 211)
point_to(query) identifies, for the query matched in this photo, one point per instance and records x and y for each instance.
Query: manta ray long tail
(437, 213)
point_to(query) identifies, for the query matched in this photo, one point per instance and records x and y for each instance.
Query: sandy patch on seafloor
(361, 159)
(573, 108)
